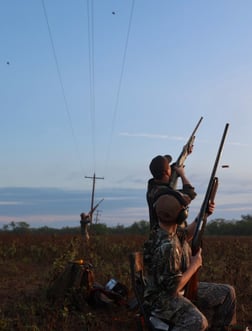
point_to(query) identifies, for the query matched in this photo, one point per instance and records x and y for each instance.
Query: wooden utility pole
(93, 190)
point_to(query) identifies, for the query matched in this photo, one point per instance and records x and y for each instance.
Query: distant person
(85, 220)
(160, 169)
(169, 266)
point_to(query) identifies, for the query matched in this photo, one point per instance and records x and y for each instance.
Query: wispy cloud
(174, 138)
(151, 136)
(10, 203)
(234, 143)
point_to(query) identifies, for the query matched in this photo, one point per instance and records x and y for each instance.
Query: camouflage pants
(215, 309)
(218, 303)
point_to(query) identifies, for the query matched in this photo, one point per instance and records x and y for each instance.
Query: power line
(61, 82)
(90, 14)
(120, 80)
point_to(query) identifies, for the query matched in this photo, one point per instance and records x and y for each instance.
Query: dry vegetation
(30, 261)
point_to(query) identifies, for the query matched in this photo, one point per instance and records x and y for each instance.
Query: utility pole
(93, 190)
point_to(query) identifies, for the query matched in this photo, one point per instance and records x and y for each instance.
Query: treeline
(216, 227)
(220, 227)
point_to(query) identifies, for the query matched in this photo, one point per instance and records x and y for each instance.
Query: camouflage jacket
(165, 259)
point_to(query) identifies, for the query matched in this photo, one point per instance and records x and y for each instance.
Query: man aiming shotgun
(85, 221)
(165, 177)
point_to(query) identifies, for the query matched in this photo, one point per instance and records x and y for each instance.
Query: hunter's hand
(190, 149)
(210, 208)
(180, 171)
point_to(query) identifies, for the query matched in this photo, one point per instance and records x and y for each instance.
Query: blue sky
(103, 86)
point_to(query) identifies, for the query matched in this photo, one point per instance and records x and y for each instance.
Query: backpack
(76, 277)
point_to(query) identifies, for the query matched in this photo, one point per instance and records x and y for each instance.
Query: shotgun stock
(201, 220)
(187, 149)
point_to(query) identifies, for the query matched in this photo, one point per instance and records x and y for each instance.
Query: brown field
(29, 262)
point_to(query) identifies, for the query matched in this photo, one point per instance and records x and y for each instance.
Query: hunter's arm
(187, 186)
(196, 262)
(181, 173)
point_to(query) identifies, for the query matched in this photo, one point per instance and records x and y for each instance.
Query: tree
(23, 226)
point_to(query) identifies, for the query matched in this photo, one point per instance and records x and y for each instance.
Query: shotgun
(201, 220)
(90, 213)
(187, 149)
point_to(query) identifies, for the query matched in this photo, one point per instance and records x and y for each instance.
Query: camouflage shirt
(166, 257)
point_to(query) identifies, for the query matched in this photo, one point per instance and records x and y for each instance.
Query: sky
(101, 87)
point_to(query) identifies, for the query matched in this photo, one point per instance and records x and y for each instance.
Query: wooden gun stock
(192, 287)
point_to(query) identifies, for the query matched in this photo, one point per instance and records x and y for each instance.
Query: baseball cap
(168, 208)
(158, 165)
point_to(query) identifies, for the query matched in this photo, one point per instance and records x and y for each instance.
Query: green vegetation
(216, 227)
(231, 228)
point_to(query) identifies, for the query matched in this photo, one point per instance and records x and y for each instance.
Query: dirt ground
(24, 304)
(24, 284)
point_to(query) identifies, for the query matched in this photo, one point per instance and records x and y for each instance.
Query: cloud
(60, 208)
(238, 144)
(9, 203)
(174, 138)
(152, 136)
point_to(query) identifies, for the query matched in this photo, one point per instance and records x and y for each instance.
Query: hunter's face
(167, 169)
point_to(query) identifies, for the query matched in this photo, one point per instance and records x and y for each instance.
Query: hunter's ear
(165, 172)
